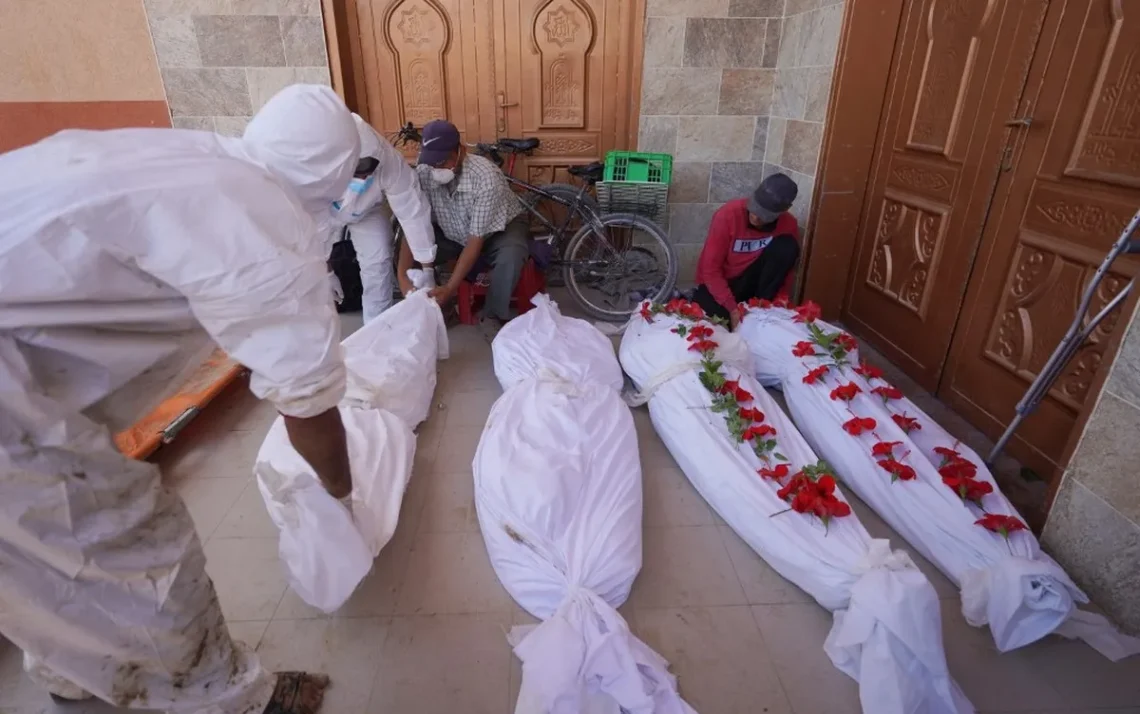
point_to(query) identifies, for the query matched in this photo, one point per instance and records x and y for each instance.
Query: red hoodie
(733, 244)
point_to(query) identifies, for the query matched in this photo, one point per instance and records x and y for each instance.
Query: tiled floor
(425, 633)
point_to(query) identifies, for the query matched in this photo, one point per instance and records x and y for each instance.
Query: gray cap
(774, 196)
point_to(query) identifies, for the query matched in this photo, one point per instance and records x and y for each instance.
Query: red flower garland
(888, 392)
(958, 474)
(816, 374)
(907, 424)
(807, 312)
(816, 497)
(885, 448)
(898, 471)
(845, 392)
(1002, 525)
(869, 372)
(804, 349)
(775, 473)
(857, 425)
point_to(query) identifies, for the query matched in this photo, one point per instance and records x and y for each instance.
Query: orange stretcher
(163, 423)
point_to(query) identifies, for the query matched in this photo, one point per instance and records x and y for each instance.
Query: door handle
(1020, 121)
(503, 104)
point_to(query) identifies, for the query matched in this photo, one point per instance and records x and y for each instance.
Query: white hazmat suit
(114, 248)
(361, 208)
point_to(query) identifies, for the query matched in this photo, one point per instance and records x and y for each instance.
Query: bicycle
(610, 262)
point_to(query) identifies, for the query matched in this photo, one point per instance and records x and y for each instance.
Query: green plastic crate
(638, 167)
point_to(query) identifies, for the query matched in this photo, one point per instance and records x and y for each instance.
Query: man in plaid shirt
(476, 214)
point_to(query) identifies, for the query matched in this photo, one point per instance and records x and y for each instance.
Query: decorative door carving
(560, 70)
(959, 65)
(1074, 185)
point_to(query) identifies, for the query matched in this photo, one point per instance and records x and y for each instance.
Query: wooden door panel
(1075, 184)
(959, 72)
(422, 61)
(565, 78)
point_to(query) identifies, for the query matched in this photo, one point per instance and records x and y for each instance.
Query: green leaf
(780, 456)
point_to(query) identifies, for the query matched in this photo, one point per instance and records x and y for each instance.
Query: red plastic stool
(531, 283)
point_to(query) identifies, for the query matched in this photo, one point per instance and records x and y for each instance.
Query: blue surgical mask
(359, 186)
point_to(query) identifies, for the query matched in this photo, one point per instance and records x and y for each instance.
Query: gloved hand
(337, 290)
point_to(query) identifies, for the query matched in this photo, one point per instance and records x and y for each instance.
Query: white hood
(305, 135)
(369, 140)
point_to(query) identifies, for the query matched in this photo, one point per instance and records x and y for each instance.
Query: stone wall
(222, 59)
(720, 93)
(1093, 529)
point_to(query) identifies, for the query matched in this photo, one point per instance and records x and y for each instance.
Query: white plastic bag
(887, 626)
(558, 494)
(325, 547)
(1007, 583)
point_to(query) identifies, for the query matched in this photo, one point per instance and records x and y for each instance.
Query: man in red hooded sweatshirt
(751, 249)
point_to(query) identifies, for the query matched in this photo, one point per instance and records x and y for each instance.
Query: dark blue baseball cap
(440, 140)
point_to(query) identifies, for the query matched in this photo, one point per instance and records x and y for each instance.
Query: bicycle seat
(529, 144)
(588, 172)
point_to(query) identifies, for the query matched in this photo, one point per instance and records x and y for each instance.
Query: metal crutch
(1075, 337)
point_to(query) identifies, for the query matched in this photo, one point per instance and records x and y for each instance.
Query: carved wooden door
(565, 76)
(427, 59)
(1073, 187)
(959, 71)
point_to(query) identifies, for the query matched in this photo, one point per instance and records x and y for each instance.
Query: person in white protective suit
(115, 249)
(383, 174)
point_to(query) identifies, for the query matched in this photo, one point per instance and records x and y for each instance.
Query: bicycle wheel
(555, 213)
(610, 267)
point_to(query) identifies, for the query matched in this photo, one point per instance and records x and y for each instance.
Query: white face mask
(442, 176)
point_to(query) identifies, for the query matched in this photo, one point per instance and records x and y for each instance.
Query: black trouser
(505, 252)
(762, 279)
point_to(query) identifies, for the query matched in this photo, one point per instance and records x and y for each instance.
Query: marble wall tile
(174, 41)
(818, 94)
(791, 42)
(715, 138)
(690, 182)
(688, 91)
(231, 126)
(716, 42)
(664, 41)
(264, 82)
(688, 255)
(1107, 457)
(760, 138)
(795, 7)
(777, 128)
(687, 8)
(790, 96)
(167, 8)
(304, 40)
(801, 146)
(195, 123)
(1099, 548)
(689, 222)
(756, 8)
(239, 41)
(735, 179)
(820, 37)
(657, 135)
(206, 91)
(772, 42)
(1124, 380)
(746, 91)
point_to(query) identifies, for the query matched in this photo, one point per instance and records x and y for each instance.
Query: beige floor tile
(248, 632)
(457, 449)
(795, 633)
(1083, 676)
(209, 500)
(684, 567)
(991, 679)
(670, 500)
(458, 375)
(444, 664)
(248, 518)
(449, 506)
(347, 650)
(247, 575)
(450, 573)
(721, 662)
(762, 585)
(467, 408)
(428, 437)
(652, 450)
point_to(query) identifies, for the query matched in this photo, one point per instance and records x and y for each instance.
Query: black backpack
(343, 262)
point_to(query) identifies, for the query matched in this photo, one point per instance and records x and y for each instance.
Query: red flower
(845, 392)
(814, 497)
(813, 376)
(760, 303)
(858, 425)
(1002, 525)
(646, 313)
(884, 448)
(907, 424)
(957, 468)
(699, 332)
(703, 346)
(732, 386)
(888, 392)
(758, 430)
(898, 470)
(751, 414)
(804, 349)
(869, 372)
(968, 489)
(808, 312)
(692, 311)
(946, 453)
(775, 473)
(846, 341)
(781, 302)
